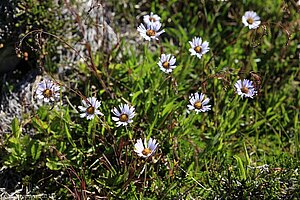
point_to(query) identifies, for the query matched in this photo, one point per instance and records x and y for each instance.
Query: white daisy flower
(151, 32)
(48, 91)
(167, 63)
(298, 3)
(147, 149)
(251, 19)
(199, 103)
(152, 18)
(124, 116)
(90, 108)
(245, 88)
(198, 48)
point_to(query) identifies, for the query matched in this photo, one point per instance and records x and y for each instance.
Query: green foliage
(23, 151)
(242, 148)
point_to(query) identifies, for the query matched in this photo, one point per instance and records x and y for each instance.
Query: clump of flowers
(245, 88)
(145, 149)
(167, 63)
(199, 103)
(48, 91)
(90, 108)
(124, 116)
(152, 18)
(151, 31)
(251, 19)
(198, 47)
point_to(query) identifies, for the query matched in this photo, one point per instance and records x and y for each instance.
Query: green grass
(242, 148)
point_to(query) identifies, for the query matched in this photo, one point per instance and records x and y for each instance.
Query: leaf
(91, 130)
(16, 130)
(67, 115)
(53, 165)
(168, 108)
(238, 117)
(69, 137)
(36, 150)
(246, 154)
(42, 112)
(240, 167)
(135, 95)
(39, 124)
(259, 123)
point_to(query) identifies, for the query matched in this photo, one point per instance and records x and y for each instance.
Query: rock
(8, 59)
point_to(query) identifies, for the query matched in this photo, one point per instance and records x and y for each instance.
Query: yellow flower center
(47, 93)
(245, 90)
(198, 49)
(150, 33)
(198, 105)
(152, 19)
(90, 110)
(166, 65)
(146, 151)
(250, 21)
(124, 118)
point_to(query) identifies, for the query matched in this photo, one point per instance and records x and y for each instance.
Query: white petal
(98, 103)
(190, 107)
(193, 52)
(116, 119)
(89, 117)
(97, 112)
(84, 103)
(116, 112)
(121, 123)
(132, 109)
(163, 57)
(172, 60)
(199, 55)
(205, 101)
(192, 44)
(40, 96)
(82, 115)
(82, 109)
(198, 41)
